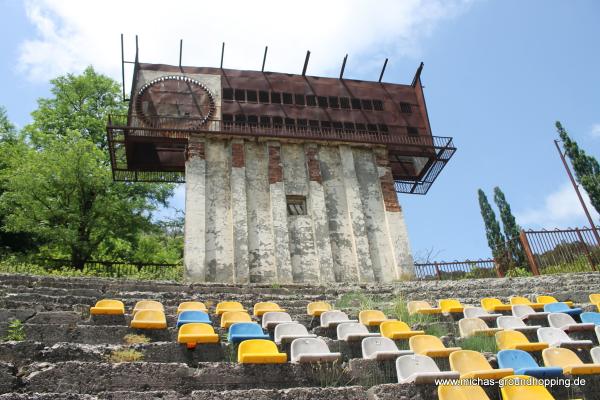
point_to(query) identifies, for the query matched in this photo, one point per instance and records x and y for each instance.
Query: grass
(330, 374)
(126, 355)
(136, 339)
(480, 343)
(356, 300)
(15, 331)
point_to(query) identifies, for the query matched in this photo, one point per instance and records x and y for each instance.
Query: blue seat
(523, 364)
(188, 317)
(563, 308)
(591, 317)
(241, 331)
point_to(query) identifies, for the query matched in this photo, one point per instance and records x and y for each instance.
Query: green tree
(587, 169)
(510, 227)
(7, 129)
(493, 232)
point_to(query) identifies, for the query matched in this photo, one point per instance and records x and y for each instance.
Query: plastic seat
(195, 333)
(597, 329)
(330, 319)
(271, 319)
(568, 361)
(590, 317)
(420, 369)
(371, 317)
(397, 330)
(567, 323)
(108, 307)
(479, 312)
(422, 307)
(515, 340)
(523, 391)
(595, 353)
(515, 323)
(264, 307)
(316, 308)
(492, 304)
(381, 348)
(311, 350)
(462, 392)
(149, 319)
(523, 364)
(473, 364)
(191, 306)
(595, 298)
(525, 312)
(229, 306)
(521, 300)
(260, 351)
(241, 331)
(431, 346)
(229, 318)
(187, 317)
(147, 305)
(450, 306)
(551, 299)
(562, 308)
(353, 331)
(556, 337)
(286, 333)
(474, 326)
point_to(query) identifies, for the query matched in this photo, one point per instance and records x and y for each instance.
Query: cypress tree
(510, 227)
(493, 233)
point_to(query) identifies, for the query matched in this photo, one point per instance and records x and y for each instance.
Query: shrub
(126, 355)
(15, 331)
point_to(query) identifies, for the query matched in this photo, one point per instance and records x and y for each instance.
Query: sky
(497, 76)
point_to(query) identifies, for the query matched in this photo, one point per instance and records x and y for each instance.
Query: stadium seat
(229, 306)
(241, 331)
(353, 331)
(108, 307)
(474, 326)
(515, 340)
(273, 318)
(229, 318)
(562, 308)
(526, 312)
(521, 300)
(556, 337)
(381, 348)
(147, 305)
(149, 319)
(595, 353)
(260, 351)
(397, 330)
(597, 329)
(461, 392)
(187, 317)
(311, 350)
(492, 304)
(590, 317)
(191, 306)
(316, 308)
(479, 312)
(473, 364)
(422, 307)
(595, 298)
(420, 369)
(516, 324)
(371, 317)
(264, 307)
(567, 323)
(431, 346)
(524, 364)
(568, 361)
(330, 319)
(551, 299)
(286, 333)
(523, 391)
(195, 333)
(450, 306)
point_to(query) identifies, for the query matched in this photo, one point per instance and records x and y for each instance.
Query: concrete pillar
(239, 212)
(195, 190)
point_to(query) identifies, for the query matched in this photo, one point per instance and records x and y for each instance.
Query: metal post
(222, 53)
(585, 247)
(576, 187)
(180, 51)
(123, 66)
(382, 70)
(343, 66)
(530, 257)
(264, 59)
(437, 271)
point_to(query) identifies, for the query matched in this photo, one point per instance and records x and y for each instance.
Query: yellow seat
(226, 306)
(450, 306)
(473, 364)
(568, 361)
(511, 389)
(316, 308)
(461, 392)
(149, 319)
(192, 306)
(595, 299)
(264, 307)
(551, 299)
(260, 351)
(492, 304)
(524, 300)
(421, 307)
(195, 333)
(430, 346)
(229, 318)
(475, 326)
(515, 340)
(108, 307)
(147, 305)
(371, 317)
(396, 330)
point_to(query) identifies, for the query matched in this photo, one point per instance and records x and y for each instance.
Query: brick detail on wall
(390, 197)
(195, 149)
(275, 167)
(237, 155)
(312, 162)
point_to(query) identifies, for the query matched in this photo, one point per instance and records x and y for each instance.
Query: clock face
(174, 102)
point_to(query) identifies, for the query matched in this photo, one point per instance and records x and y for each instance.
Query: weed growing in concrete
(480, 343)
(136, 339)
(355, 300)
(125, 355)
(328, 374)
(15, 331)
(380, 373)
(275, 286)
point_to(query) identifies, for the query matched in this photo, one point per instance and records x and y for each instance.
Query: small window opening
(296, 205)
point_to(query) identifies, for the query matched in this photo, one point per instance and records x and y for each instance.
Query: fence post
(437, 271)
(585, 247)
(530, 257)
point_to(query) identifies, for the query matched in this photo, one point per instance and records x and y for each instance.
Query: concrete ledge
(396, 391)
(8, 379)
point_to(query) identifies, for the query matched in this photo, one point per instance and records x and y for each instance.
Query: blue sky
(497, 75)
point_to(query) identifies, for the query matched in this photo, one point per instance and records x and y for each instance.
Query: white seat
(420, 369)
(307, 350)
(353, 331)
(516, 324)
(475, 326)
(524, 311)
(330, 319)
(381, 348)
(479, 312)
(556, 337)
(286, 333)
(567, 323)
(597, 329)
(273, 318)
(595, 353)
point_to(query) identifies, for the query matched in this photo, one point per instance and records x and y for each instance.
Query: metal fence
(456, 270)
(118, 269)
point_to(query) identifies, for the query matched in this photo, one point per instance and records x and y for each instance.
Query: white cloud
(560, 209)
(72, 34)
(595, 131)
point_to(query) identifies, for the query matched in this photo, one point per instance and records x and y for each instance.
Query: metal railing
(456, 270)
